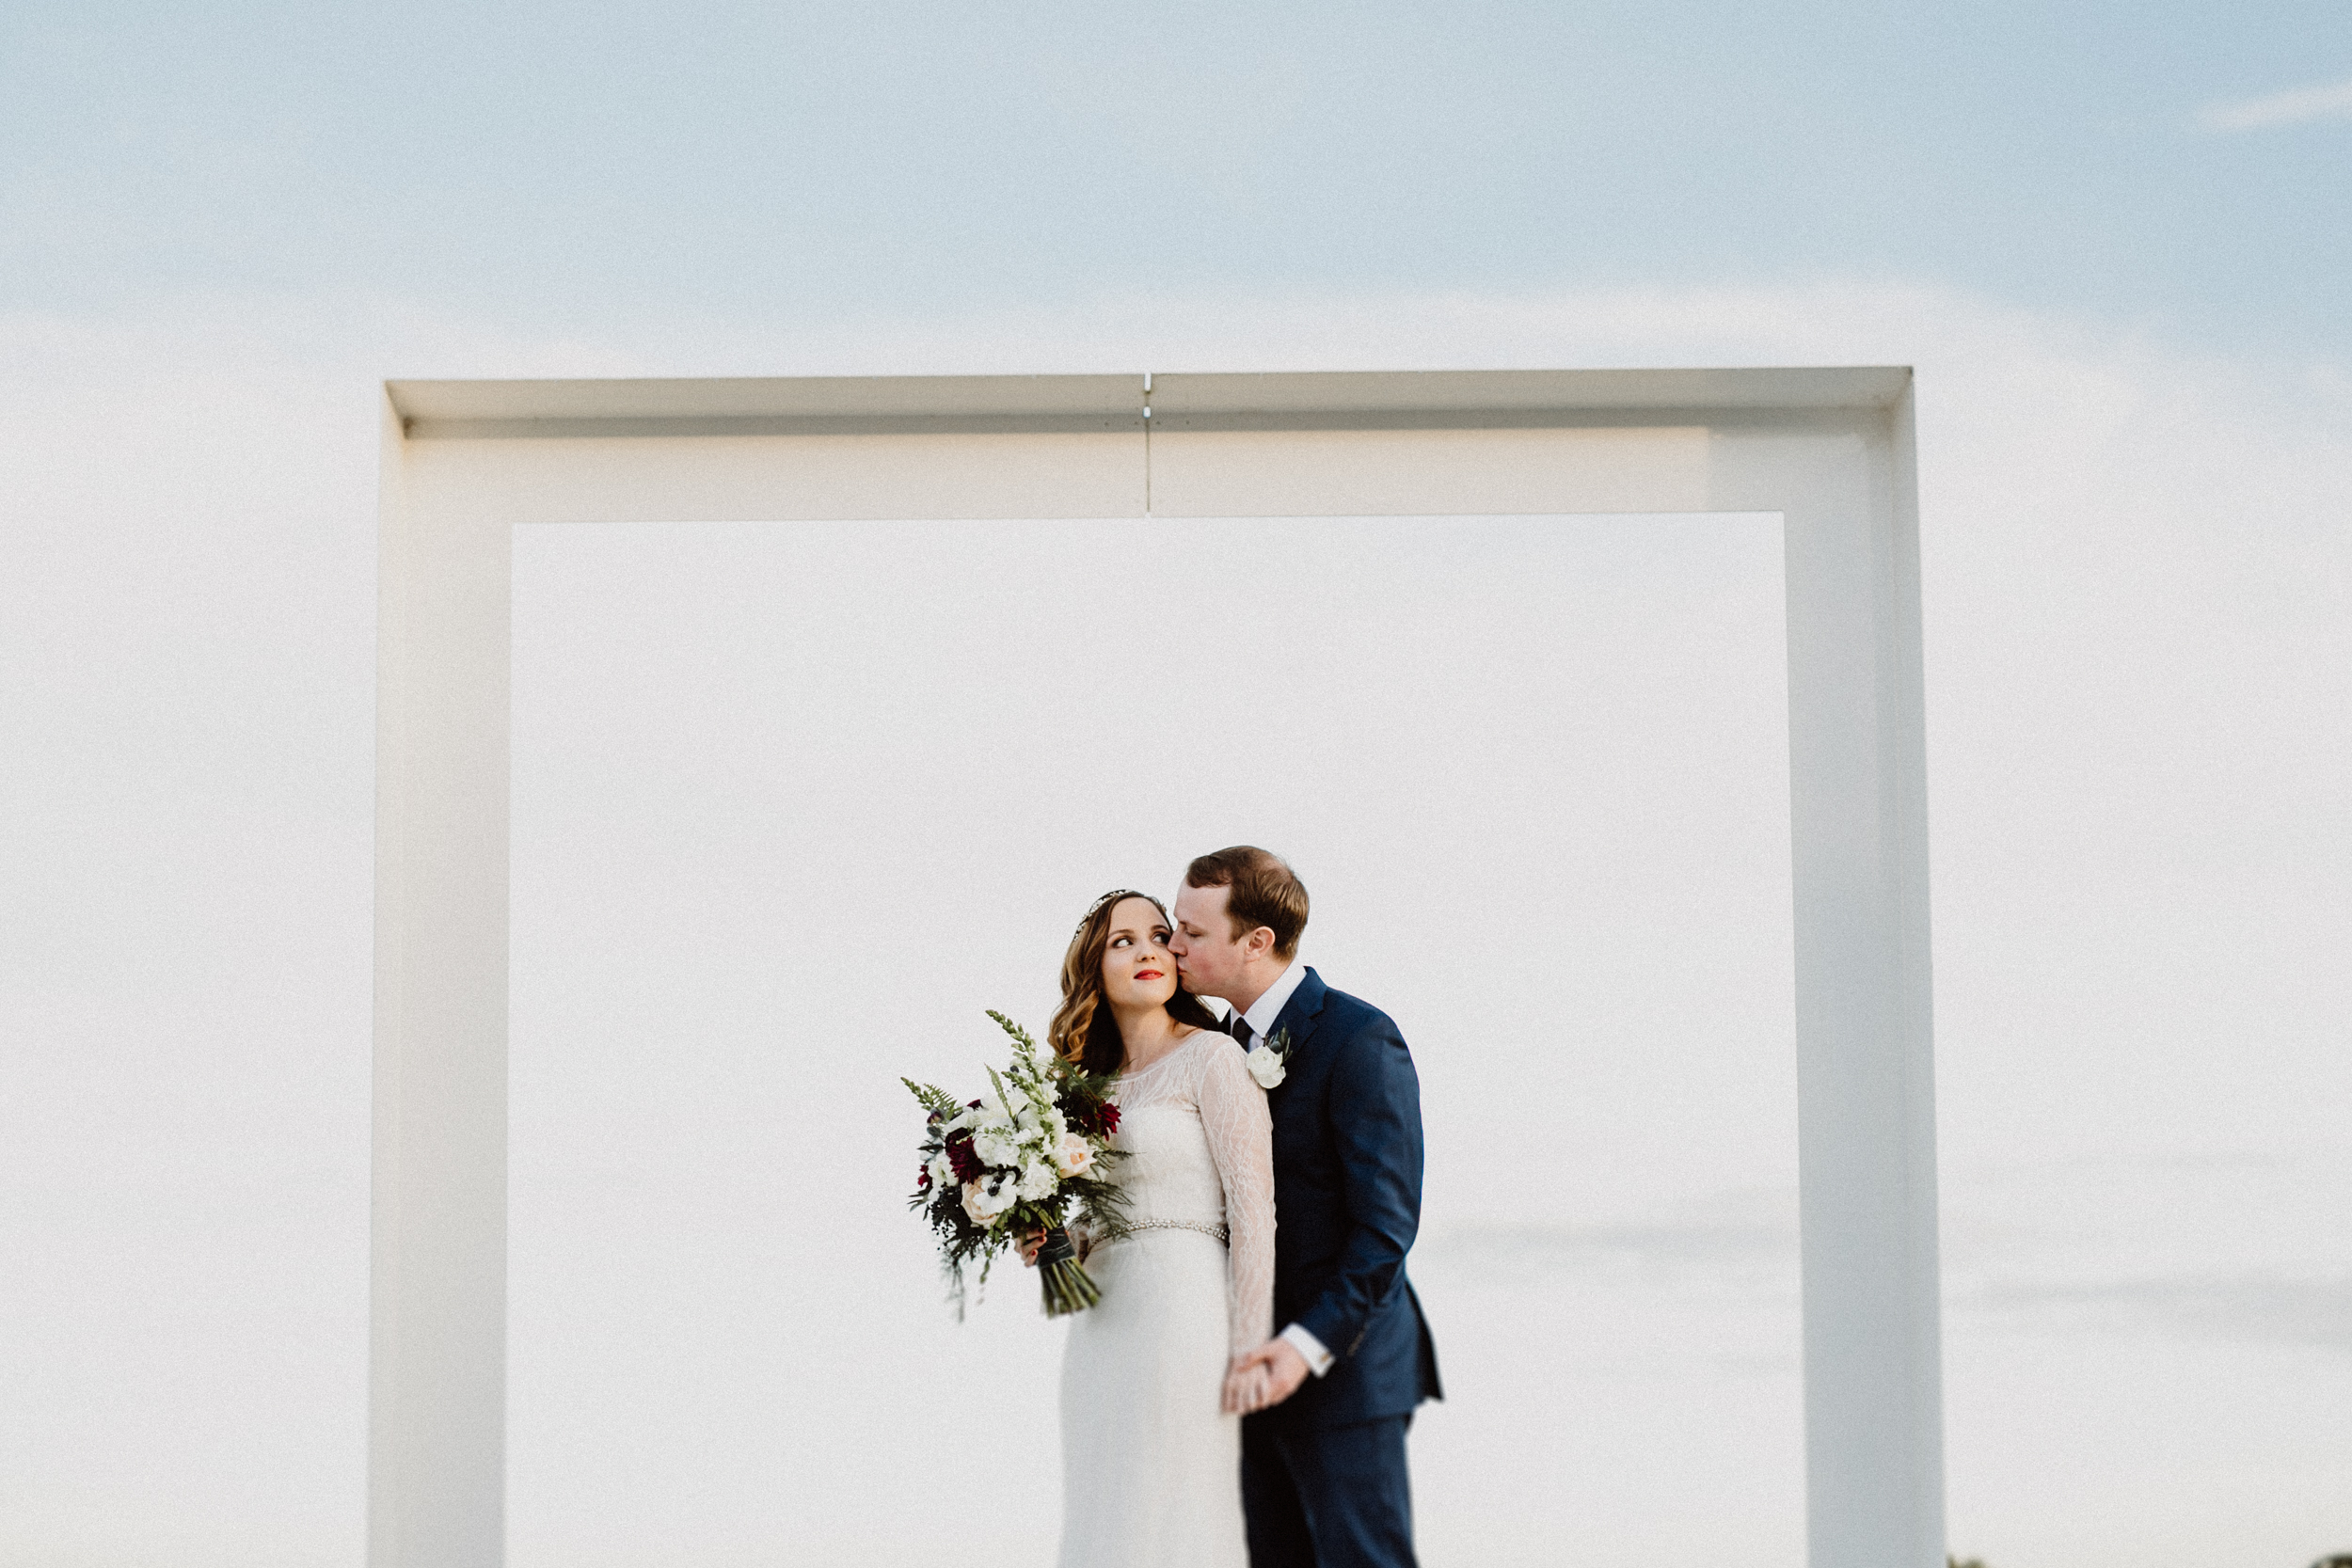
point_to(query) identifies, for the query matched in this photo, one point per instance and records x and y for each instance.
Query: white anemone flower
(987, 1200)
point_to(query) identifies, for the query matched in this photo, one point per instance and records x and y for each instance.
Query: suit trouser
(1326, 1496)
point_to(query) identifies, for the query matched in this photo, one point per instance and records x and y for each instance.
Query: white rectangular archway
(1830, 450)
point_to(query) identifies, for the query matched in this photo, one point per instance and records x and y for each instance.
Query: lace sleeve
(1240, 1140)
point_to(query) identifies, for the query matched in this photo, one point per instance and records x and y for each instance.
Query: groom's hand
(1285, 1367)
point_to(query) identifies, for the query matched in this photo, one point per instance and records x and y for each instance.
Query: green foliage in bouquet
(1028, 1158)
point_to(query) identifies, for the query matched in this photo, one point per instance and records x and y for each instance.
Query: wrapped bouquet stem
(1021, 1161)
(1068, 1286)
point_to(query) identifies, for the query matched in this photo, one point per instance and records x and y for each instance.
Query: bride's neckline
(1164, 1057)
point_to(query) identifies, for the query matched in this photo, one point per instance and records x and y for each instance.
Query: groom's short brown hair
(1266, 891)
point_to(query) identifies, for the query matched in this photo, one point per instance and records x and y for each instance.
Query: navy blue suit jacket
(1347, 1163)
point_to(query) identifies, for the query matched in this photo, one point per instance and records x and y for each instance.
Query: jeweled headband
(1106, 901)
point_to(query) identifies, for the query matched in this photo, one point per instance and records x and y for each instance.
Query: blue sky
(559, 164)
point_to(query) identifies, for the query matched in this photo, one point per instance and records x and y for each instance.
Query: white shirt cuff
(1306, 1344)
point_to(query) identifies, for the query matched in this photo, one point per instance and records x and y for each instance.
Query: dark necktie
(1241, 1030)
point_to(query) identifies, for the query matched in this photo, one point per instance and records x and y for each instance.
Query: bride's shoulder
(1189, 1040)
(1203, 1044)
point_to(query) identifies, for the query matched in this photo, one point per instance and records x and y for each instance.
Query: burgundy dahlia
(964, 1158)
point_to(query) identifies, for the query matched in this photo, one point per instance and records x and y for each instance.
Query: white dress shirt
(1269, 1005)
(1260, 1017)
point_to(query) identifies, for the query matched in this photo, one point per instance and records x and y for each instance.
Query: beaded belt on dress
(1206, 1230)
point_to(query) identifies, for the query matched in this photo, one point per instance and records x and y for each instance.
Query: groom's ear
(1259, 943)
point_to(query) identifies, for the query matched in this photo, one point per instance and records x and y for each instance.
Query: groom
(1323, 1470)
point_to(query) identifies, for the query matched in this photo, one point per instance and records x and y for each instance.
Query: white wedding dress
(1151, 1466)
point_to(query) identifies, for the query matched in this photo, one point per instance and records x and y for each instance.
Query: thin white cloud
(2252, 1306)
(1514, 1251)
(2296, 106)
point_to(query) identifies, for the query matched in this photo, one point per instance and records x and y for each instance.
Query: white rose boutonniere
(1269, 1060)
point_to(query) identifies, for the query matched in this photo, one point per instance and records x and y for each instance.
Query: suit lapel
(1303, 1012)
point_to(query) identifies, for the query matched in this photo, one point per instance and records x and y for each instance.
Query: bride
(1151, 1394)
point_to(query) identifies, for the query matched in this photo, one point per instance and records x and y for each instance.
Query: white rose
(1038, 1180)
(1073, 1155)
(1265, 1067)
(995, 1145)
(986, 1201)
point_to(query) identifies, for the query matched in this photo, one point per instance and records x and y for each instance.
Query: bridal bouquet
(1016, 1161)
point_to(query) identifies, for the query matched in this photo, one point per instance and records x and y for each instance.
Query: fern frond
(935, 1100)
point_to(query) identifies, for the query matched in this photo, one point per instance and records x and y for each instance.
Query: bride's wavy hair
(1084, 1030)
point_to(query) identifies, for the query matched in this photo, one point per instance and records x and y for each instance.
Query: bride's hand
(1245, 1387)
(1028, 1244)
